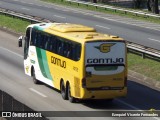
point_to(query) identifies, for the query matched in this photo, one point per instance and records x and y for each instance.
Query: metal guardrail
(132, 47)
(107, 7)
(31, 19)
(143, 50)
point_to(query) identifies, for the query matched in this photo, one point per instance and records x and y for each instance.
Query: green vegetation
(120, 13)
(13, 24)
(147, 67)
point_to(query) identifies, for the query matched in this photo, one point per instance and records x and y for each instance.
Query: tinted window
(55, 44)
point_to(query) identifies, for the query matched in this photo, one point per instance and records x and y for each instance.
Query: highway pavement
(137, 31)
(43, 98)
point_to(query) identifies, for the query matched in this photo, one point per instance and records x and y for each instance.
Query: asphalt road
(132, 30)
(43, 98)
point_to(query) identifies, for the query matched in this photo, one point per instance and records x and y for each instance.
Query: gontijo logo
(105, 47)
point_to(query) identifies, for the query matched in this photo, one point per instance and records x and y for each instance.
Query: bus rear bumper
(103, 94)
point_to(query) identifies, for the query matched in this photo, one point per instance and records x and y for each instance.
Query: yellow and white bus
(77, 60)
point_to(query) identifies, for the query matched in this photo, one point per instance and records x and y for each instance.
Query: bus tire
(63, 91)
(34, 77)
(70, 98)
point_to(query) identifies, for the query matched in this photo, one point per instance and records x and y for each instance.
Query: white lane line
(23, 2)
(11, 51)
(103, 27)
(154, 40)
(110, 19)
(39, 93)
(126, 22)
(131, 106)
(25, 8)
(65, 10)
(39, 5)
(59, 16)
(30, 3)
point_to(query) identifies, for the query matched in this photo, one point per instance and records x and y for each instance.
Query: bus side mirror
(20, 41)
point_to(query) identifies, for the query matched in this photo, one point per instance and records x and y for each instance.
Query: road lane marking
(11, 52)
(106, 18)
(131, 106)
(103, 27)
(23, 2)
(25, 8)
(31, 3)
(154, 40)
(65, 10)
(39, 93)
(59, 16)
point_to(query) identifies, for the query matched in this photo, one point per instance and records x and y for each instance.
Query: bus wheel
(63, 91)
(70, 98)
(34, 77)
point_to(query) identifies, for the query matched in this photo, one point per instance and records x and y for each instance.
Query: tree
(137, 3)
(94, 1)
(153, 6)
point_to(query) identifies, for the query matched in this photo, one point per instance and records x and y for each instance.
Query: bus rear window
(105, 68)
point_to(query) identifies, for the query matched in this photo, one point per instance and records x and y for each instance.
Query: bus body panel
(102, 65)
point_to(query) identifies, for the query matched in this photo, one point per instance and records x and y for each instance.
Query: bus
(77, 60)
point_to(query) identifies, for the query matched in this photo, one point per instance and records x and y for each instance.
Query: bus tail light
(88, 74)
(84, 82)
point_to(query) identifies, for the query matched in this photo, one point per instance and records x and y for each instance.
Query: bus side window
(58, 45)
(52, 45)
(69, 51)
(47, 44)
(33, 35)
(26, 44)
(42, 41)
(78, 52)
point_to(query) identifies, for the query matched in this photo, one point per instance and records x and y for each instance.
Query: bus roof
(75, 32)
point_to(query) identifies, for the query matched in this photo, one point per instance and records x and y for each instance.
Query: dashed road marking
(39, 93)
(11, 52)
(59, 16)
(154, 40)
(25, 8)
(103, 27)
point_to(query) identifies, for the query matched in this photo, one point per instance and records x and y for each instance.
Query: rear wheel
(70, 98)
(63, 91)
(34, 77)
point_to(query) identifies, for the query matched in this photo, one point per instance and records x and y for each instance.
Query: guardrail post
(143, 55)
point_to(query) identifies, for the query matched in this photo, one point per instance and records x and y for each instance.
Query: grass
(130, 15)
(147, 67)
(14, 24)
